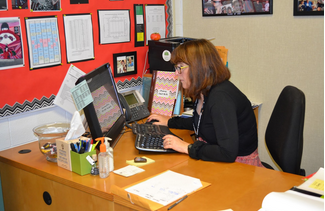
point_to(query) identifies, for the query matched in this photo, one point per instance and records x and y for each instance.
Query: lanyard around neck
(198, 124)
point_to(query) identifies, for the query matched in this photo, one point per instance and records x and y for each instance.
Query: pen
(179, 201)
(87, 146)
(72, 147)
(82, 147)
(305, 192)
(76, 147)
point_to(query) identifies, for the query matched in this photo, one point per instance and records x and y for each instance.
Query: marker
(72, 147)
(179, 201)
(82, 147)
(87, 146)
(94, 145)
(76, 147)
(305, 192)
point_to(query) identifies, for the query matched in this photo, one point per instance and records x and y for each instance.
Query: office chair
(284, 132)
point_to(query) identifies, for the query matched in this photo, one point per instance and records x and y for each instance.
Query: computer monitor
(104, 115)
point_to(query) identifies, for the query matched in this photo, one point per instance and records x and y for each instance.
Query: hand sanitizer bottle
(110, 154)
(103, 161)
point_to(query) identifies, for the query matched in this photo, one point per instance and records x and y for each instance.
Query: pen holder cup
(79, 163)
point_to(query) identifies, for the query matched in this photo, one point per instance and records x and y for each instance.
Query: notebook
(163, 92)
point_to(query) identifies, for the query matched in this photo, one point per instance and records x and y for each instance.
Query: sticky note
(317, 184)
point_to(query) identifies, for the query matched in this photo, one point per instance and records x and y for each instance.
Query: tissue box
(79, 163)
(63, 152)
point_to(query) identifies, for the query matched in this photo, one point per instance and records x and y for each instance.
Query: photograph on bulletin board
(11, 48)
(43, 42)
(3, 5)
(125, 63)
(19, 4)
(45, 5)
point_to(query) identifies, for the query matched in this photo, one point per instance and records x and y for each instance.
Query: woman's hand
(173, 142)
(162, 120)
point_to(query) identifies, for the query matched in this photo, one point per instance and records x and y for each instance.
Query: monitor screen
(104, 115)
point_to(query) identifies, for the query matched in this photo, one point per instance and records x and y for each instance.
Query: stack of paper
(300, 198)
(160, 190)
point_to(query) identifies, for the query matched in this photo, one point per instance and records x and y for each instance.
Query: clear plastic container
(103, 161)
(110, 154)
(47, 135)
(103, 164)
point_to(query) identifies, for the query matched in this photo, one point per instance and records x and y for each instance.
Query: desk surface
(233, 185)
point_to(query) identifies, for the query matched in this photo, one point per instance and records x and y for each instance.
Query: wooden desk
(25, 177)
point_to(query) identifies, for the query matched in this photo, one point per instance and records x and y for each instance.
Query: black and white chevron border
(129, 84)
(18, 108)
(169, 4)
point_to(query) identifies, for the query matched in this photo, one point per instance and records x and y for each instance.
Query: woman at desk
(223, 119)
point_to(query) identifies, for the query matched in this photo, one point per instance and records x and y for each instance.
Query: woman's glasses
(178, 69)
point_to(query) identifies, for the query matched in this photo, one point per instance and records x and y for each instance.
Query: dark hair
(206, 68)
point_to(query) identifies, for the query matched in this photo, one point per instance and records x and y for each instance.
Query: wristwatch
(189, 148)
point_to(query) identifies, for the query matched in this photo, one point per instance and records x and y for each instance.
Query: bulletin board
(21, 87)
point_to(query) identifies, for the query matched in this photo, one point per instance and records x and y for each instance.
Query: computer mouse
(152, 121)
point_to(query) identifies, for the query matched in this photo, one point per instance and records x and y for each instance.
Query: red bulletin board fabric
(21, 84)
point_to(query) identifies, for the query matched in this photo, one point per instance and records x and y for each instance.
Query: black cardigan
(228, 125)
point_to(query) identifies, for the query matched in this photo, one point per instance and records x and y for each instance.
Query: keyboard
(149, 137)
(148, 128)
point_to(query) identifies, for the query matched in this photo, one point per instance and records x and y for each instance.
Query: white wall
(18, 129)
(266, 53)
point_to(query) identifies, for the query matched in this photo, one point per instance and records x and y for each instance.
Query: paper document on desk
(296, 200)
(315, 184)
(291, 200)
(128, 171)
(166, 187)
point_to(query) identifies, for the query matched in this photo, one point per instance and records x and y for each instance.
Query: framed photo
(21, 4)
(307, 7)
(42, 5)
(3, 5)
(125, 63)
(236, 7)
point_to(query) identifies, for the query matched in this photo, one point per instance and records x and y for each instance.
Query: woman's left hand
(175, 143)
